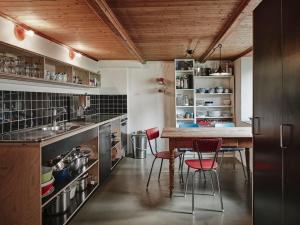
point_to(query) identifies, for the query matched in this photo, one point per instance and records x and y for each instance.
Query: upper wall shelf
(215, 76)
(23, 65)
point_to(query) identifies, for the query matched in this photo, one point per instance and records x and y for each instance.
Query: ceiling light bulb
(30, 33)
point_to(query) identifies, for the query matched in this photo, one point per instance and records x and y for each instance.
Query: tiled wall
(20, 110)
(109, 104)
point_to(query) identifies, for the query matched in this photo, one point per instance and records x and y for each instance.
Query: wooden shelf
(214, 93)
(46, 64)
(214, 106)
(214, 76)
(40, 80)
(76, 203)
(185, 119)
(184, 71)
(185, 106)
(182, 89)
(212, 117)
(63, 185)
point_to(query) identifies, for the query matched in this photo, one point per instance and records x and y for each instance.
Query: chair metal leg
(162, 160)
(179, 163)
(219, 187)
(221, 163)
(186, 181)
(181, 170)
(150, 173)
(193, 196)
(244, 170)
(212, 182)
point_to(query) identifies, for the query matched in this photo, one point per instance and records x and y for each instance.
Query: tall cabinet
(276, 181)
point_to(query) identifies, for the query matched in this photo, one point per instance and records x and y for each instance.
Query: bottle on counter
(177, 82)
(181, 83)
(185, 82)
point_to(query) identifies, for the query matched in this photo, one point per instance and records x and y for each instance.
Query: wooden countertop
(207, 132)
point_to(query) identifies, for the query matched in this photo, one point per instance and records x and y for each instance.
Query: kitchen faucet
(56, 114)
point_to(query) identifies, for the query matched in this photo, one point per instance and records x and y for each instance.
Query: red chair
(203, 165)
(153, 134)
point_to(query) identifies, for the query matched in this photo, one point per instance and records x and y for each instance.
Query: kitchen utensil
(82, 183)
(62, 175)
(219, 90)
(215, 113)
(208, 103)
(47, 186)
(186, 100)
(60, 204)
(211, 90)
(73, 187)
(49, 192)
(46, 174)
(227, 102)
(226, 114)
(226, 90)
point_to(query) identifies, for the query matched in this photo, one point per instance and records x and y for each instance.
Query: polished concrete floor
(123, 199)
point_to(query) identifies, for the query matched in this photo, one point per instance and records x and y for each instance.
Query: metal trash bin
(139, 144)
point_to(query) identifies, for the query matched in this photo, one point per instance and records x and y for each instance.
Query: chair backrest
(203, 145)
(207, 145)
(152, 134)
(188, 125)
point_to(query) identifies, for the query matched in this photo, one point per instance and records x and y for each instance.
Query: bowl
(46, 174)
(227, 102)
(215, 113)
(46, 187)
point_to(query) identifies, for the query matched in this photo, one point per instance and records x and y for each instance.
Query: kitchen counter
(48, 136)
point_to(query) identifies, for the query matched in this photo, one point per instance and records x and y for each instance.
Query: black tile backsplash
(20, 110)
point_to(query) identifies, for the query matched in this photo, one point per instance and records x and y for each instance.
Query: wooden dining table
(237, 137)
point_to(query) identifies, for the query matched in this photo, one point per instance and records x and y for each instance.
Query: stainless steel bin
(139, 144)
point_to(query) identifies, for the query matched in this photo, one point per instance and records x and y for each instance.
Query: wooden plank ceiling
(159, 29)
(70, 22)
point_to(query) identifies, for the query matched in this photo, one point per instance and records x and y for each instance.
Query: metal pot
(60, 204)
(82, 183)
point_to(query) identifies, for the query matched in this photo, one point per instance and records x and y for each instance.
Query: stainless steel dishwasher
(105, 150)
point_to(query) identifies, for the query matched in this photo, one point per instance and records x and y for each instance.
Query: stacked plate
(47, 181)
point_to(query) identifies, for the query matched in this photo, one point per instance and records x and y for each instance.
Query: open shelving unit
(90, 140)
(197, 109)
(23, 65)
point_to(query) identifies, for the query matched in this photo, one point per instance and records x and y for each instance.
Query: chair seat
(231, 149)
(206, 164)
(184, 149)
(166, 154)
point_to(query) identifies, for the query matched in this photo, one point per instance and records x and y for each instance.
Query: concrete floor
(123, 199)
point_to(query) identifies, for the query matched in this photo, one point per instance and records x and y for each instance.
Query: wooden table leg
(247, 154)
(171, 166)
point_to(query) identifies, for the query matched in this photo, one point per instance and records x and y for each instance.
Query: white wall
(244, 94)
(243, 90)
(246, 88)
(146, 106)
(50, 49)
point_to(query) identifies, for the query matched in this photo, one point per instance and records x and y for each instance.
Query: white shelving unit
(197, 108)
(184, 68)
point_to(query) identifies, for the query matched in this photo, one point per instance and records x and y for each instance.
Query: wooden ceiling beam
(229, 26)
(243, 53)
(104, 13)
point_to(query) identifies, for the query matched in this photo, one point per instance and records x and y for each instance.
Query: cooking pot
(60, 204)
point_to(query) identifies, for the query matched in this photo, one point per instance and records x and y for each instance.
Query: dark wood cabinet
(276, 110)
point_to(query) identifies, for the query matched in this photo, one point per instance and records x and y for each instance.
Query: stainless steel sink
(60, 128)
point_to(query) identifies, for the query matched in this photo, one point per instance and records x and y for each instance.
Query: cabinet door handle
(283, 143)
(256, 125)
